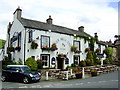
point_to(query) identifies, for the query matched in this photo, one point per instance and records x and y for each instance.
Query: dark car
(19, 73)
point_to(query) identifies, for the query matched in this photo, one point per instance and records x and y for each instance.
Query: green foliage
(94, 58)
(109, 51)
(73, 65)
(2, 43)
(20, 62)
(98, 62)
(106, 61)
(31, 63)
(89, 59)
(82, 63)
(7, 61)
(39, 62)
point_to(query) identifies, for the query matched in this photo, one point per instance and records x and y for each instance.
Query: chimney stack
(81, 28)
(96, 36)
(49, 20)
(18, 13)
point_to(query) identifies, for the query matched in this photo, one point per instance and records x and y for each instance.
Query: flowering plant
(18, 48)
(45, 48)
(61, 55)
(97, 50)
(74, 49)
(87, 49)
(10, 49)
(34, 45)
(54, 47)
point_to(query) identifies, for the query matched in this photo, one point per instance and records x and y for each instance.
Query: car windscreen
(25, 69)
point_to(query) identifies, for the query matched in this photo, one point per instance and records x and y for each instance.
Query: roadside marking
(114, 80)
(102, 81)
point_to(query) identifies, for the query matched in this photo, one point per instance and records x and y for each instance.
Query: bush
(106, 61)
(82, 63)
(39, 63)
(98, 61)
(20, 62)
(89, 62)
(31, 63)
(73, 65)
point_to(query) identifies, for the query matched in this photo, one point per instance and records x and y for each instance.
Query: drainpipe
(24, 46)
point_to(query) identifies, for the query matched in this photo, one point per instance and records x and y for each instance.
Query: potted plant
(45, 48)
(78, 72)
(10, 49)
(77, 51)
(87, 50)
(93, 72)
(73, 48)
(34, 45)
(54, 47)
(97, 50)
(18, 48)
(61, 55)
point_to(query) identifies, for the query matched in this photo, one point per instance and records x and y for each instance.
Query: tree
(89, 59)
(31, 63)
(109, 51)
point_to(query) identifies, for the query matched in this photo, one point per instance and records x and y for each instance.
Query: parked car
(20, 73)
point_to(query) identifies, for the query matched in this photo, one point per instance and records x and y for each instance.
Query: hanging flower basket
(77, 51)
(74, 49)
(53, 47)
(97, 50)
(10, 49)
(87, 49)
(45, 48)
(34, 45)
(18, 48)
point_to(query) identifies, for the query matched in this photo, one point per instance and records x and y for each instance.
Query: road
(102, 81)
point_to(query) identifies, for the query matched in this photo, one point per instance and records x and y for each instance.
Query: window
(30, 36)
(66, 61)
(76, 59)
(77, 44)
(19, 39)
(45, 60)
(45, 41)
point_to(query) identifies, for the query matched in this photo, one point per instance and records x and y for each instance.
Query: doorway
(60, 63)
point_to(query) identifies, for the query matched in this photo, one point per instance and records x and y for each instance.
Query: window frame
(48, 62)
(77, 60)
(46, 37)
(79, 44)
(30, 36)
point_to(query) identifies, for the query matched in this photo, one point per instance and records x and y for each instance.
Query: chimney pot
(81, 28)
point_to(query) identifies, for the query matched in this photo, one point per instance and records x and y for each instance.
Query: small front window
(77, 44)
(76, 59)
(45, 60)
(45, 42)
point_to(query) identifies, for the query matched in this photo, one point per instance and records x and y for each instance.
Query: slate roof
(28, 23)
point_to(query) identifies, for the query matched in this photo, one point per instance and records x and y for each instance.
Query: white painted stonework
(63, 42)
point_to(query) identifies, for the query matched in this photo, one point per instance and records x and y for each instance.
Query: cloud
(96, 16)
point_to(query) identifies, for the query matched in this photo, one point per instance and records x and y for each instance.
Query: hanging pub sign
(53, 61)
(66, 61)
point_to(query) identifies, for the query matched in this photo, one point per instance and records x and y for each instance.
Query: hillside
(2, 43)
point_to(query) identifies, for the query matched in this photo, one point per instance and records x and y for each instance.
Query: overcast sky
(99, 16)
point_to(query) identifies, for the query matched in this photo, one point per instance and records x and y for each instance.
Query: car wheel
(3, 78)
(25, 80)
